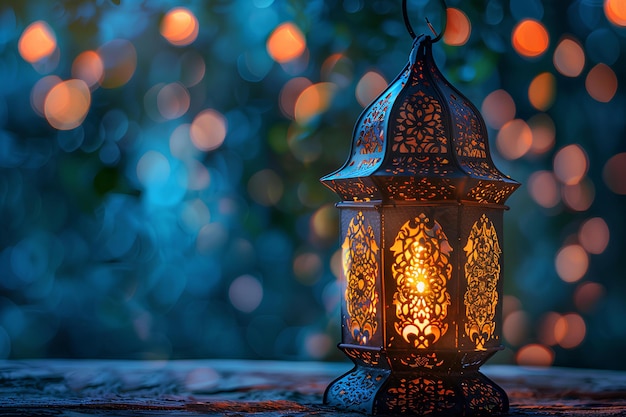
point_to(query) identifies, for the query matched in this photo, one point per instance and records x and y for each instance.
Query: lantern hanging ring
(409, 27)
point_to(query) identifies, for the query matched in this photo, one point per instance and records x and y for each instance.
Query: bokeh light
(547, 323)
(245, 293)
(119, 58)
(542, 91)
(88, 66)
(313, 101)
(544, 189)
(530, 38)
(67, 104)
(601, 83)
(266, 187)
(40, 91)
(369, 87)
(580, 196)
(588, 295)
(180, 26)
(514, 139)
(594, 235)
(570, 330)
(286, 43)
(515, 327)
(208, 130)
(535, 355)
(498, 108)
(173, 101)
(571, 164)
(569, 58)
(615, 11)
(289, 95)
(544, 133)
(572, 263)
(614, 173)
(37, 42)
(458, 27)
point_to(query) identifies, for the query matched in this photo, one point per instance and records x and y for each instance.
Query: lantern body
(421, 237)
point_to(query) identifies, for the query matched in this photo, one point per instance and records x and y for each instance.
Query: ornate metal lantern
(421, 229)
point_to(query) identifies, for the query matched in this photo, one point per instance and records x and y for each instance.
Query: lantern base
(379, 389)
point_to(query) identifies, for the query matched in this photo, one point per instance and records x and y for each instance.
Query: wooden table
(72, 388)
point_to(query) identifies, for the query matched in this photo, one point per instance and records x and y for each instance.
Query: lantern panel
(420, 280)
(360, 256)
(481, 260)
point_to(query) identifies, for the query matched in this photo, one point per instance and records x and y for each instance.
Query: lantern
(421, 239)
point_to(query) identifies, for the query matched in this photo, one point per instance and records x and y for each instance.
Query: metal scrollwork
(482, 270)
(361, 269)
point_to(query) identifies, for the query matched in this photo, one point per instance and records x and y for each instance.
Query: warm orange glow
(570, 330)
(571, 164)
(173, 101)
(530, 38)
(120, 61)
(594, 235)
(67, 104)
(286, 43)
(290, 93)
(208, 130)
(313, 101)
(369, 87)
(601, 83)
(498, 108)
(88, 67)
(514, 139)
(569, 58)
(458, 27)
(37, 42)
(324, 223)
(40, 91)
(615, 11)
(180, 26)
(579, 197)
(535, 355)
(544, 133)
(572, 263)
(544, 189)
(614, 173)
(515, 327)
(546, 328)
(587, 296)
(542, 91)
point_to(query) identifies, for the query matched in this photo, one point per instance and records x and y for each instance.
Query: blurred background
(160, 165)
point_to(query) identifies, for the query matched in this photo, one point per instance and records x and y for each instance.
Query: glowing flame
(37, 42)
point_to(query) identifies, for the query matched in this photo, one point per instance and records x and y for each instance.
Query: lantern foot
(383, 391)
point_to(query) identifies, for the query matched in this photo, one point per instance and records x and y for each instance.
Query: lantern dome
(420, 140)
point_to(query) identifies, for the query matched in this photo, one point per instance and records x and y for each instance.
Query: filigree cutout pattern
(357, 389)
(371, 134)
(361, 269)
(420, 396)
(422, 270)
(482, 270)
(419, 126)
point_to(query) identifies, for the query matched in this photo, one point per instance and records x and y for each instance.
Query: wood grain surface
(74, 388)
